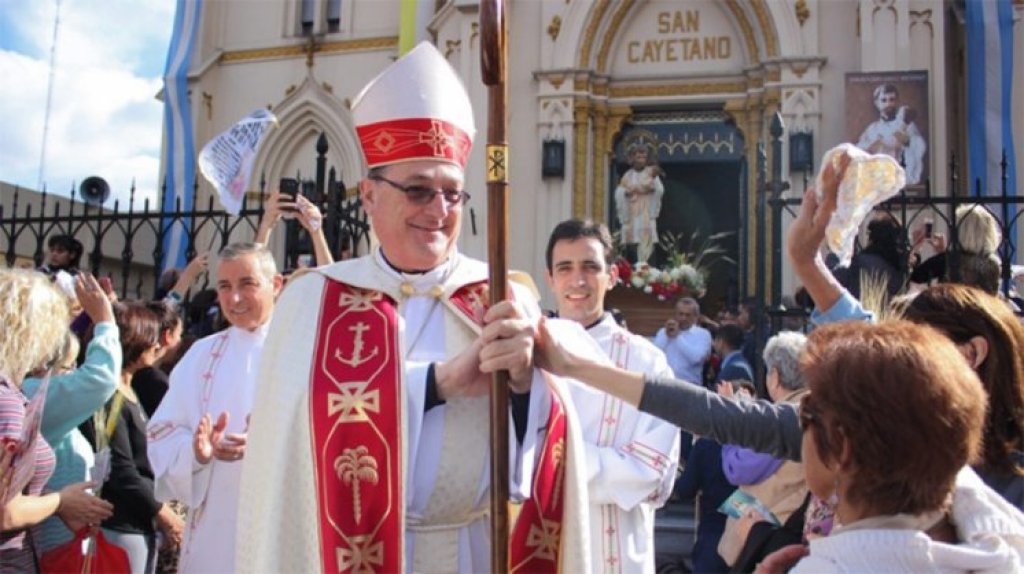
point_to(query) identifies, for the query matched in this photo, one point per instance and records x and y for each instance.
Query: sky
(105, 119)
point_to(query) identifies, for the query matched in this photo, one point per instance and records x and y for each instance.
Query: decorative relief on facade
(555, 27)
(208, 104)
(581, 142)
(450, 46)
(767, 30)
(923, 17)
(602, 55)
(591, 31)
(802, 11)
(296, 50)
(800, 108)
(681, 90)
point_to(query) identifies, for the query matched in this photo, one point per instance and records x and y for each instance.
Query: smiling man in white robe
(197, 436)
(369, 443)
(631, 456)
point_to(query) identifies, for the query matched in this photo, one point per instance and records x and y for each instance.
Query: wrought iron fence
(909, 209)
(127, 243)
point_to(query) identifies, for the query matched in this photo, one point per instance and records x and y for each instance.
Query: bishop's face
(415, 235)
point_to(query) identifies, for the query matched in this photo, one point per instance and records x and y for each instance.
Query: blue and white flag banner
(226, 160)
(989, 95)
(180, 159)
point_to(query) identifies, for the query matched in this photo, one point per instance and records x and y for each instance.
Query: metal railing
(126, 243)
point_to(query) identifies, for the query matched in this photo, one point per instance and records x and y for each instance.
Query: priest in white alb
(197, 437)
(631, 456)
(369, 446)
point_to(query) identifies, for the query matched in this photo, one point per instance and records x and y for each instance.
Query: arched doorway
(702, 156)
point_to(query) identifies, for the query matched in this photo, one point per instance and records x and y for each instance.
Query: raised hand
(202, 445)
(228, 446)
(93, 300)
(309, 215)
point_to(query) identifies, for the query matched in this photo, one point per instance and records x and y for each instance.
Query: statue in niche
(638, 201)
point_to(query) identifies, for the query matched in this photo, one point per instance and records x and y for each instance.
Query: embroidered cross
(358, 299)
(544, 539)
(438, 138)
(361, 558)
(478, 297)
(353, 402)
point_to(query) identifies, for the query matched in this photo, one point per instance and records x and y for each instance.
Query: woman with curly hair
(35, 318)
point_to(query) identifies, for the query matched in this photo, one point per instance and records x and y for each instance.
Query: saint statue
(638, 201)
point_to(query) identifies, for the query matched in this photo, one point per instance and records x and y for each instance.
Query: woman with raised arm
(35, 318)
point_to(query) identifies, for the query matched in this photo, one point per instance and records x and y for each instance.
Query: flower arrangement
(685, 274)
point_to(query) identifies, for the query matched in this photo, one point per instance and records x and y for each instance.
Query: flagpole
(493, 60)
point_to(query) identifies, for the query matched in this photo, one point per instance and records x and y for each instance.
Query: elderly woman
(35, 317)
(777, 483)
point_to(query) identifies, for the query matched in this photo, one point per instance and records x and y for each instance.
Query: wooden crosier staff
(493, 59)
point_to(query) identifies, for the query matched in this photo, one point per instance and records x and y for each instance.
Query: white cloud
(104, 119)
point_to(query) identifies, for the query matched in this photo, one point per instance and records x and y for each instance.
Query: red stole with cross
(535, 542)
(355, 404)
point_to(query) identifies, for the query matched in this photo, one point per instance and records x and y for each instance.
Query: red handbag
(99, 556)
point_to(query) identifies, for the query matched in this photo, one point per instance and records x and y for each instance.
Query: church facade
(695, 81)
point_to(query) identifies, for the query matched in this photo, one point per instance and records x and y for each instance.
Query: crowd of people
(336, 422)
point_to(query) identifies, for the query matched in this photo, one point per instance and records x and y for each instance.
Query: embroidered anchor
(357, 358)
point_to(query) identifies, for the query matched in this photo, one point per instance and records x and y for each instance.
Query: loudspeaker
(94, 190)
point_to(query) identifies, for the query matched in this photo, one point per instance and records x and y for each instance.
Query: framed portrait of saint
(887, 113)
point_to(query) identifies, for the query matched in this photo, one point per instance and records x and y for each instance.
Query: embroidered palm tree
(355, 465)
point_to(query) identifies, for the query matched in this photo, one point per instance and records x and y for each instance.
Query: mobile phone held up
(289, 186)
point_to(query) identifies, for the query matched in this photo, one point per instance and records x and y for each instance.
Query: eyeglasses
(422, 195)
